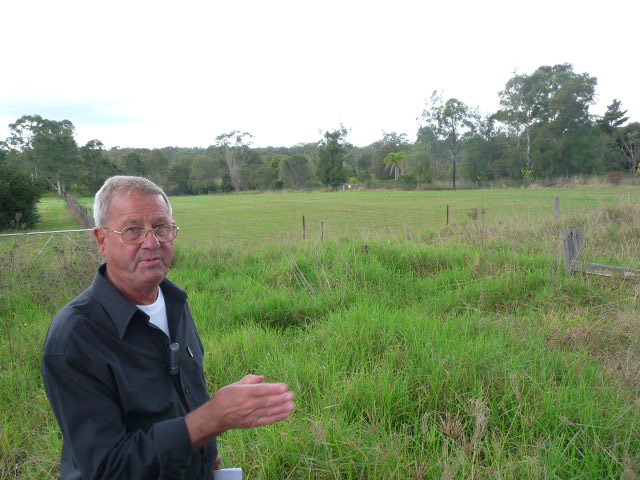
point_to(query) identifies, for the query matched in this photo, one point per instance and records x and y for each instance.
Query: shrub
(615, 178)
(19, 197)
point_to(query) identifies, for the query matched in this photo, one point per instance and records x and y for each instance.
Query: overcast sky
(153, 73)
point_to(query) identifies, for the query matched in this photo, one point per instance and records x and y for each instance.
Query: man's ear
(99, 235)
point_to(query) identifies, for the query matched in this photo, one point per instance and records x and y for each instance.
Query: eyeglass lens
(164, 233)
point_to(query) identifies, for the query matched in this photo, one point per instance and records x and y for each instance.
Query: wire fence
(83, 214)
(348, 221)
(31, 244)
(28, 248)
(314, 227)
(305, 229)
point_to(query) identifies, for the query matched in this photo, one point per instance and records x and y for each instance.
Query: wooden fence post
(304, 229)
(556, 207)
(573, 247)
(321, 230)
(447, 214)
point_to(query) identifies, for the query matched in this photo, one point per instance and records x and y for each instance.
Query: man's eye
(133, 229)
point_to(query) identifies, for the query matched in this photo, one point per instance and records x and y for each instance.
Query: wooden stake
(573, 247)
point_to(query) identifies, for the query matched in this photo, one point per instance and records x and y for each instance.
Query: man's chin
(155, 271)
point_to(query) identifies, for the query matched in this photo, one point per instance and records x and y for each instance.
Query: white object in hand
(228, 474)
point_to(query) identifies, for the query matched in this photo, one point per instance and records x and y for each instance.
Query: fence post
(556, 207)
(447, 214)
(321, 230)
(573, 247)
(304, 229)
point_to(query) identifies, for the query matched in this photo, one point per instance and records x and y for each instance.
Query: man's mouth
(150, 260)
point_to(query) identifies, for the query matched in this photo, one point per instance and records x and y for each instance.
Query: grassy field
(54, 215)
(253, 220)
(264, 218)
(416, 349)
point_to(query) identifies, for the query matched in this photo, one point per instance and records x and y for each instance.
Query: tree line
(543, 129)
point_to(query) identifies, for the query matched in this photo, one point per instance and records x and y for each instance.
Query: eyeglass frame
(145, 232)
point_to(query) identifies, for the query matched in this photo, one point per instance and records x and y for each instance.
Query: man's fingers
(267, 416)
(257, 389)
(251, 380)
(260, 404)
(241, 405)
(249, 398)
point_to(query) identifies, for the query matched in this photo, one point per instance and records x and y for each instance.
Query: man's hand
(248, 403)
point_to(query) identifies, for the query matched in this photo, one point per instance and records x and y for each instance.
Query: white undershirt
(157, 312)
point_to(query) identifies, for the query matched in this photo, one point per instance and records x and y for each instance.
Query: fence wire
(333, 227)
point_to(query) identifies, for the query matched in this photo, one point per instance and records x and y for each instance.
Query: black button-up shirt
(106, 372)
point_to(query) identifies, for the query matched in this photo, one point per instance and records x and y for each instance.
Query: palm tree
(396, 163)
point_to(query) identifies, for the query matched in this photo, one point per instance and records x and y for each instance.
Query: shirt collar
(119, 308)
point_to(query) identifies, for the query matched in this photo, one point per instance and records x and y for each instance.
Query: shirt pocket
(193, 377)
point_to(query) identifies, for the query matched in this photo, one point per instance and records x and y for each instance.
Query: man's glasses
(137, 235)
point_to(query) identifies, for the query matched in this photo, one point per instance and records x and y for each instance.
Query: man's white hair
(121, 183)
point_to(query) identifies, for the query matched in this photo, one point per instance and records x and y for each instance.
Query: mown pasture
(416, 349)
(252, 220)
(258, 219)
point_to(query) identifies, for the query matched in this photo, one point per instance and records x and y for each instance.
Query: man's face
(140, 267)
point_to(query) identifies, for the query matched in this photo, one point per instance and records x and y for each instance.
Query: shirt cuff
(173, 446)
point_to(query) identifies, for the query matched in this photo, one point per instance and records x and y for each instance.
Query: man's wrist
(201, 427)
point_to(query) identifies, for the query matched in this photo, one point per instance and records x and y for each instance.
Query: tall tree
(396, 162)
(548, 112)
(391, 142)
(295, 172)
(234, 146)
(566, 142)
(132, 163)
(204, 171)
(610, 125)
(332, 156)
(450, 121)
(179, 178)
(429, 152)
(613, 118)
(484, 151)
(267, 175)
(21, 138)
(630, 142)
(48, 147)
(518, 113)
(96, 167)
(156, 166)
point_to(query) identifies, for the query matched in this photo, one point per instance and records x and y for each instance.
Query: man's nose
(150, 240)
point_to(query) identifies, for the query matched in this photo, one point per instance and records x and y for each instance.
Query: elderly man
(122, 363)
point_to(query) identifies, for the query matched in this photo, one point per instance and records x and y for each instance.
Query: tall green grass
(466, 352)
(408, 363)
